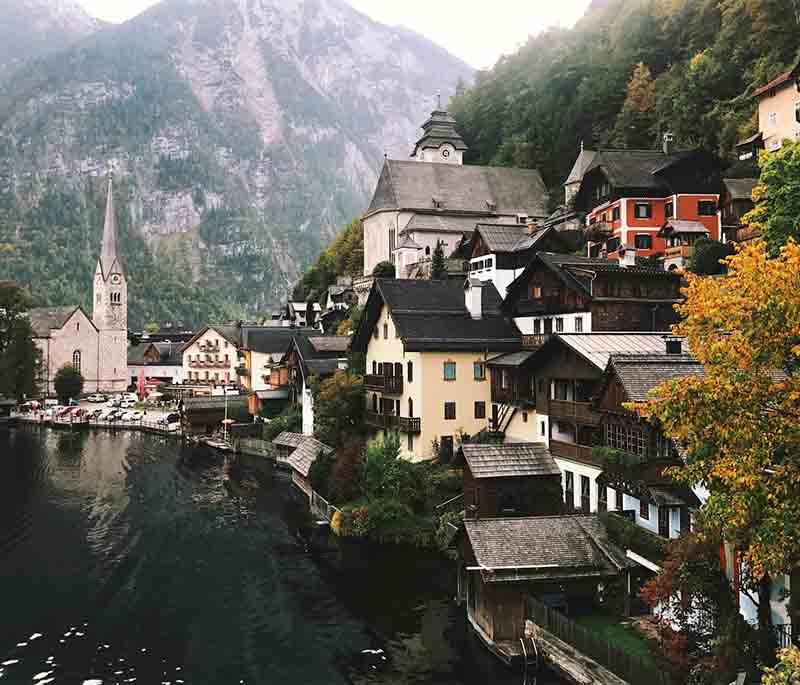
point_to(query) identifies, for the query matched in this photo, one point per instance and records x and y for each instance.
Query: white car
(134, 416)
(127, 404)
(96, 398)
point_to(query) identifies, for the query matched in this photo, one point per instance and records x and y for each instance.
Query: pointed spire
(108, 249)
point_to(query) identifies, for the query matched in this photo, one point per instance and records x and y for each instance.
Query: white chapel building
(97, 345)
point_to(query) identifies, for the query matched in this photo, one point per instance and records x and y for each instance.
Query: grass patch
(621, 635)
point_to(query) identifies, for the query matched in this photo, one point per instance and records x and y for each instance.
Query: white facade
(580, 322)
(485, 269)
(210, 359)
(307, 403)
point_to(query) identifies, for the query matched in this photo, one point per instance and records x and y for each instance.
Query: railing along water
(629, 667)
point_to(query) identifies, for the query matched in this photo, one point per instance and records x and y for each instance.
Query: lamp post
(225, 422)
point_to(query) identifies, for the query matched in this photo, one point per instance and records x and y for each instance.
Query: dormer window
(491, 206)
(522, 219)
(437, 204)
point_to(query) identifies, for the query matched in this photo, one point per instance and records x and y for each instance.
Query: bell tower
(110, 306)
(440, 140)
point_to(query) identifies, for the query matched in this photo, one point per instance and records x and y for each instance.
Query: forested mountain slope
(700, 61)
(242, 133)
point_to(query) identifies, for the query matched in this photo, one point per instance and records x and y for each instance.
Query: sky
(477, 31)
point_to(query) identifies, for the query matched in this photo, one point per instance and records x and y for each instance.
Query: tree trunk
(766, 635)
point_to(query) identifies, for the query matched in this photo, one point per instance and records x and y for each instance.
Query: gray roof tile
(288, 439)
(640, 373)
(306, 454)
(509, 460)
(597, 348)
(551, 546)
(43, 319)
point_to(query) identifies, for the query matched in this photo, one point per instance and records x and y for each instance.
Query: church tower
(440, 141)
(110, 309)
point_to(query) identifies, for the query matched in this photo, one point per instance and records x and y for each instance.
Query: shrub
(384, 270)
(344, 479)
(290, 419)
(706, 256)
(68, 383)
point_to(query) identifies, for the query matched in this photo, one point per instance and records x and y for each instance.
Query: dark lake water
(123, 558)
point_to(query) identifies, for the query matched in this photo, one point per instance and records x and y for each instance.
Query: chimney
(627, 256)
(667, 142)
(473, 297)
(533, 227)
(674, 345)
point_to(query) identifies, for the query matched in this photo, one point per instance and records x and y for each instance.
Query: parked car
(127, 404)
(96, 398)
(135, 416)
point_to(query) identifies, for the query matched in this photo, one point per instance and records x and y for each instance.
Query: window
(410, 371)
(669, 210)
(643, 241)
(618, 500)
(585, 494)
(374, 367)
(522, 219)
(524, 417)
(410, 442)
(643, 210)
(487, 264)
(504, 379)
(536, 292)
(375, 403)
(569, 490)
(76, 360)
(449, 411)
(537, 327)
(446, 448)
(427, 250)
(559, 325)
(479, 371)
(644, 509)
(480, 410)
(772, 117)
(615, 214)
(579, 324)
(385, 331)
(449, 371)
(631, 440)
(602, 499)
(542, 428)
(410, 408)
(375, 333)
(706, 208)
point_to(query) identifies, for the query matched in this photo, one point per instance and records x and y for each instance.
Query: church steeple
(108, 248)
(440, 140)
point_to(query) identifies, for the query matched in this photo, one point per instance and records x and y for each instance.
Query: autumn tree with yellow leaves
(739, 423)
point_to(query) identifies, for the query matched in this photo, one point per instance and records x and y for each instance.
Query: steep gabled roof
(543, 547)
(269, 339)
(45, 319)
(584, 159)
(432, 315)
(509, 460)
(478, 190)
(779, 80)
(306, 453)
(682, 227)
(597, 348)
(640, 373)
(631, 168)
(288, 439)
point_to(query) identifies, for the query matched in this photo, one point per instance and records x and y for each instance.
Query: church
(96, 345)
(435, 198)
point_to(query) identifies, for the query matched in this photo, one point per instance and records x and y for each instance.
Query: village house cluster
(517, 366)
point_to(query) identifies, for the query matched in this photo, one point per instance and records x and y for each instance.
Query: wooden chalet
(514, 479)
(558, 293)
(566, 560)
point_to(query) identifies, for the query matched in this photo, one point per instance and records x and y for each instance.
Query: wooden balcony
(569, 450)
(391, 385)
(579, 412)
(208, 347)
(682, 251)
(531, 342)
(391, 422)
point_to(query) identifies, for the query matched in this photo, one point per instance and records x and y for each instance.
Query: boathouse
(567, 561)
(204, 415)
(302, 459)
(514, 479)
(285, 443)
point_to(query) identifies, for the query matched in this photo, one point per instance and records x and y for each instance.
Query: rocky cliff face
(245, 132)
(35, 28)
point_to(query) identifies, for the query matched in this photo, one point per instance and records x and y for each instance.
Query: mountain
(242, 133)
(35, 28)
(629, 71)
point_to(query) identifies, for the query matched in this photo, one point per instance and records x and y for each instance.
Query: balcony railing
(403, 424)
(535, 340)
(208, 347)
(581, 412)
(392, 385)
(569, 450)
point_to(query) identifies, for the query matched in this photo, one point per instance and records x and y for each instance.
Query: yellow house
(778, 114)
(426, 344)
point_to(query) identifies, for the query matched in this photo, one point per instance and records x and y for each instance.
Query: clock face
(116, 279)
(445, 153)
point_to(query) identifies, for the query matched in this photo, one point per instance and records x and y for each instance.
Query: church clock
(116, 279)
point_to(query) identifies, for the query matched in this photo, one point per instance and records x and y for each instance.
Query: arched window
(410, 372)
(410, 408)
(427, 250)
(76, 360)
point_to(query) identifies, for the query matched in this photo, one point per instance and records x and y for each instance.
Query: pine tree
(438, 263)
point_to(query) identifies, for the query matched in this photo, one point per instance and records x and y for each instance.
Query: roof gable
(478, 190)
(45, 319)
(509, 460)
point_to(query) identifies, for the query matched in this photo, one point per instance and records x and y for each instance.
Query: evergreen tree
(636, 122)
(438, 263)
(19, 356)
(68, 383)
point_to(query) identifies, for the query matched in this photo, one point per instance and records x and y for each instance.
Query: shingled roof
(543, 547)
(447, 223)
(648, 480)
(306, 453)
(44, 319)
(288, 439)
(480, 190)
(432, 315)
(640, 373)
(509, 460)
(510, 237)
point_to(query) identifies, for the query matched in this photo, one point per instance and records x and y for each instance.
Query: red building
(629, 195)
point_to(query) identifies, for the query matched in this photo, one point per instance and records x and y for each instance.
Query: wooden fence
(627, 666)
(321, 507)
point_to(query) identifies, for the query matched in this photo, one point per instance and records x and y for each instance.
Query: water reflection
(124, 559)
